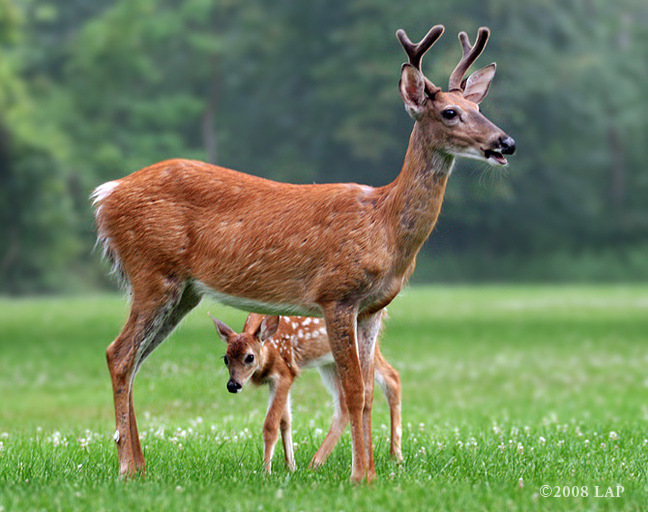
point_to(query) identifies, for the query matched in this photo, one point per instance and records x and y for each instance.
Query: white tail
(180, 228)
(273, 351)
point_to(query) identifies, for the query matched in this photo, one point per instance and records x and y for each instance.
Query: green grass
(505, 389)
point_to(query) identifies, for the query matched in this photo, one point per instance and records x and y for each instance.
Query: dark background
(307, 92)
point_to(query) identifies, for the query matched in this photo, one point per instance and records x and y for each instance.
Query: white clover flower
(614, 436)
(542, 440)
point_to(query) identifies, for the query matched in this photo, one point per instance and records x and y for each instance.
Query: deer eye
(249, 359)
(226, 360)
(449, 113)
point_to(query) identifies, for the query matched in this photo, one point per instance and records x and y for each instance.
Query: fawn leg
(389, 381)
(279, 391)
(286, 436)
(340, 418)
(368, 328)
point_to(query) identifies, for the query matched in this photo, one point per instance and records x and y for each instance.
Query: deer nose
(508, 145)
(233, 386)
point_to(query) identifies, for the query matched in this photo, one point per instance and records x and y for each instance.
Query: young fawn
(273, 350)
(180, 229)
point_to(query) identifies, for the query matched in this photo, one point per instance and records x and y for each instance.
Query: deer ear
(224, 332)
(268, 327)
(477, 85)
(412, 90)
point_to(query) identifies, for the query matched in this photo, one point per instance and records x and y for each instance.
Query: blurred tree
(302, 92)
(37, 239)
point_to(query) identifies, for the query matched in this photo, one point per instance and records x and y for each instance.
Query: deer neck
(414, 199)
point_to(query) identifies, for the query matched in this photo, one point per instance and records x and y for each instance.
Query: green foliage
(306, 92)
(505, 389)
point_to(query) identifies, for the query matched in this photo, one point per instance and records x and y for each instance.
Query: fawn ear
(224, 332)
(268, 327)
(476, 85)
(412, 90)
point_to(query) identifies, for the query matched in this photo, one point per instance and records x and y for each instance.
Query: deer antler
(470, 54)
(416, 51)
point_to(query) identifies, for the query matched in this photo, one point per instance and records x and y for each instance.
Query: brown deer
(180, 228)
(273, 350)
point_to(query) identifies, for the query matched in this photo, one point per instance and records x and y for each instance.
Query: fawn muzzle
(233, 386)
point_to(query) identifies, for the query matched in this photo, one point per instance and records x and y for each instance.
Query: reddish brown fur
(343, 251)
(298, 343)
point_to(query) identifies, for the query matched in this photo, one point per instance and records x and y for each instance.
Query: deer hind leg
(368, 329)
(153, 316)
(341, 322)
(340, 418)
(389, 381)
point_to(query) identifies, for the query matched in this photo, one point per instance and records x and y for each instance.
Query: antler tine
(416, 51)
(470, 55)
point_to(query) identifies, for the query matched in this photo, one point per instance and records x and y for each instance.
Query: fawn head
(451, 121)
(243, 355)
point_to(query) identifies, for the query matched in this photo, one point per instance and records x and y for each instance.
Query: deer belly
(257, 306)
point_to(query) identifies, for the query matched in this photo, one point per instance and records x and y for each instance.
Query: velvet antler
(416, 51)
(470, 54)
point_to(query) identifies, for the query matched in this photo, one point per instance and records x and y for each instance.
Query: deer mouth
(495, 157)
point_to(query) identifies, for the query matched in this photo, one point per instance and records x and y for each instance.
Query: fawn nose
(508, 145)
(233, 386)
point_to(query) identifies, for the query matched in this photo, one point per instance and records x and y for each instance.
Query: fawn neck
(414, 198)
(271, 364)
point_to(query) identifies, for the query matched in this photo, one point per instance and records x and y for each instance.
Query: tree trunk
(209, 116)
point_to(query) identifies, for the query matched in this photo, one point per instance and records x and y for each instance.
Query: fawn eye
(226, 360)
(249, 359)
(449, 113)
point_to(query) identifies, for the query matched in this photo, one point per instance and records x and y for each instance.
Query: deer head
(451, 121)
(244, 351)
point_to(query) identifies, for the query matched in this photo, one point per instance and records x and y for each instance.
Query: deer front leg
(368, 328)
(341, 327)
(278, 400)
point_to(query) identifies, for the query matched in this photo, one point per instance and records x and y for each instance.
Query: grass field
(505, 389)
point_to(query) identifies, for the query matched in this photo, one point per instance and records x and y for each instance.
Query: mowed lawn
(505, 390)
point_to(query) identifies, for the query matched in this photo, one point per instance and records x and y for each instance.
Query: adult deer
(273, 350)
(180, 228)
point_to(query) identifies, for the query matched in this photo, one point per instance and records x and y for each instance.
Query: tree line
(307, 92)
